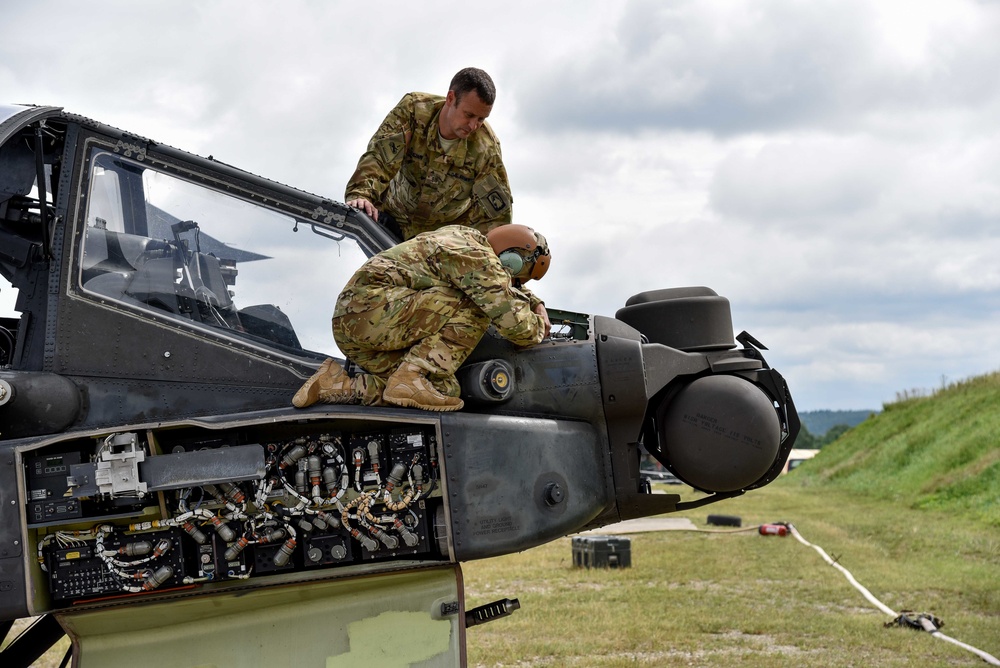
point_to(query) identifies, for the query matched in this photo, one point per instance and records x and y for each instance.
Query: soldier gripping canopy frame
(435, 161)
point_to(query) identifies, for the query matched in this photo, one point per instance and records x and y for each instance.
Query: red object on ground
(773, 530)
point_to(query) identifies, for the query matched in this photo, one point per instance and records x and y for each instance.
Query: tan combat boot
(330, 384)
(408, 386)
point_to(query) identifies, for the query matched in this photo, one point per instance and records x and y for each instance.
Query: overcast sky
(831, 167)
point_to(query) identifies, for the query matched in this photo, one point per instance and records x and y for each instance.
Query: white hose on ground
(926, 623)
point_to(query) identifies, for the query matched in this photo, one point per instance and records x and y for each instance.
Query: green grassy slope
(940, 452)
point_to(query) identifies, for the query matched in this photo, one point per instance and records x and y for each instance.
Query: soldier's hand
(364, 205)
(540, 310)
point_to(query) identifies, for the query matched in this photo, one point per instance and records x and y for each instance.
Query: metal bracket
(118, 468)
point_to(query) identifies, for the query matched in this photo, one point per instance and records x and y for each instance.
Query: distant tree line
(825, 426)
(821, 421)
(807, 441)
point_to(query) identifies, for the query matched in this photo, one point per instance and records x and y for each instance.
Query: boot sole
(410, 403)
(339, 398)
(307, 395)
(311, 391)
(334, 399)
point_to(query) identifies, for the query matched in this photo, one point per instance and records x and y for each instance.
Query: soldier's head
(523, 252)
(468, 103)
(473, 78)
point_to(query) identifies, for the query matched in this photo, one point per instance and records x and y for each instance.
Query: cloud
(832, 168)
(802, 181)
(697, 65)
(736, 68)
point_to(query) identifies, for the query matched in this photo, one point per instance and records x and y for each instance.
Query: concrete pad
(643, 525)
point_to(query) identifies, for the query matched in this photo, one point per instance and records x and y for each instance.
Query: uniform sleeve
(477, 272)
(384, 156)
(533, 299)
(492, 202)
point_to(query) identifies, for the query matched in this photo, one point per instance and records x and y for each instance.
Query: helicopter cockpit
(164, 245)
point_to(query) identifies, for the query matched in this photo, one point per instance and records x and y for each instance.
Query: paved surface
(644, 524)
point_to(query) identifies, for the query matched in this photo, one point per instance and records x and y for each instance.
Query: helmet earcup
(512, 262)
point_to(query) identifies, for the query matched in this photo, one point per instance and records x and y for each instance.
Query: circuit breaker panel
(132, 513)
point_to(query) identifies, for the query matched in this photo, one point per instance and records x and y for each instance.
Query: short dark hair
(473, 78)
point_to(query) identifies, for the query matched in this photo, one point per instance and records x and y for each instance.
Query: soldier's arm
(537, 306)
(384, 156)
(492, 203)
(532, 298)
(543, 312)
(479, 274)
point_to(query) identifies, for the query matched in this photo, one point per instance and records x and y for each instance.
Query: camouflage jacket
(453, 256)
(407, 172)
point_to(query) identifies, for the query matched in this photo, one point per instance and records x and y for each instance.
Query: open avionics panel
(173, 510)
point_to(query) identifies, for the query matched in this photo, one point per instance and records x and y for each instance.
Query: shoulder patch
(392, 148)
(493, 197)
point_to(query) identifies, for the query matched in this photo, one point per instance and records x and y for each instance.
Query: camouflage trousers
(435, 329)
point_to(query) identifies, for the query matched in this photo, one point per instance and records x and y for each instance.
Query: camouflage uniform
(407, 173)
(428, 301)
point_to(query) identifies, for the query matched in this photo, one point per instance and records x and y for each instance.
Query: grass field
(741, 599)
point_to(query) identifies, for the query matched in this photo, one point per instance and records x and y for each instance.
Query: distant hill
(820, 422)
(936, 452)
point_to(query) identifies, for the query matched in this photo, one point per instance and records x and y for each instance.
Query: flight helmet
(523, 252)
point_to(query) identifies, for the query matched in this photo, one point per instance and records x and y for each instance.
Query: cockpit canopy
(157, 242)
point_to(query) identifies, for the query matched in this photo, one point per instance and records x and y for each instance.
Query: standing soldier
(413, 313)
(435, 161)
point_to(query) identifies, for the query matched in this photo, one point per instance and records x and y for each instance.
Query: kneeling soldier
(413, 313)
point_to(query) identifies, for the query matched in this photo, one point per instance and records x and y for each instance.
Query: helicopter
(161, 498)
